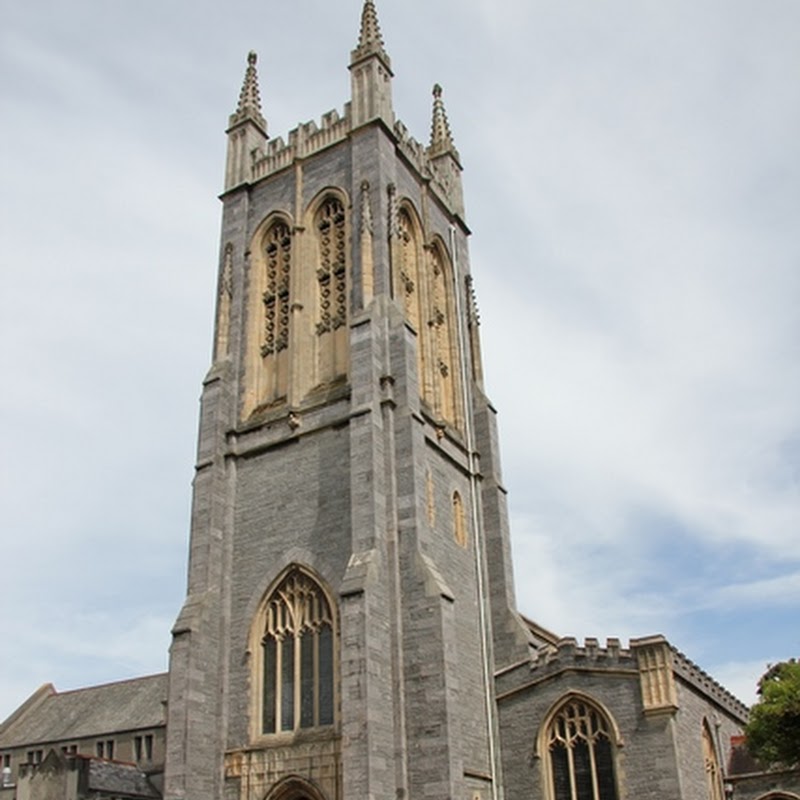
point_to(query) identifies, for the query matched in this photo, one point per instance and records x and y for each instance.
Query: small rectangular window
(38, 756)
(148, 747)
(101, 749)
(137, 748)
(110, 748)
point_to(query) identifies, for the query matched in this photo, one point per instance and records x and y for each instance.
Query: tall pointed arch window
(443, 339)
(332, 269)
(409, 289)
(278, 253)
(711, 765)
(459, 521)
(408, 276)
(269, 267)
(297, 648)
(330, 226)
(580, 753)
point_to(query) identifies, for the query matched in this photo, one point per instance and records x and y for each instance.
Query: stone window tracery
(580, 751)
(278, 254)
(440, 322)
(332, 269)
(409, 267)
(711, 765)
(297, 657)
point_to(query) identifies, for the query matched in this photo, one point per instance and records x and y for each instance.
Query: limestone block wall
(659, 753)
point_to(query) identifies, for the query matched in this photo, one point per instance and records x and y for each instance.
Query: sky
(632, 182)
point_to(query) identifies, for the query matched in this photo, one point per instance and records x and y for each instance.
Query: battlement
(689, 672)
(657, 662)
(567, 649)
(309, 138)
(410, 147)
(304, 140)
(444, 182)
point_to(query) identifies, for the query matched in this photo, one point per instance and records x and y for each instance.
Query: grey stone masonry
(358, 480)
(657, 708)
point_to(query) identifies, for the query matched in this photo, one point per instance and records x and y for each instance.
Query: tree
(773, 733)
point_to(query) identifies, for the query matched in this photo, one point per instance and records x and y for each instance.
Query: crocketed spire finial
(249, 106)
(441, 137)
(370, 40)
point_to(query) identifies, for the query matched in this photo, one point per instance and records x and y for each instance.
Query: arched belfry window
(442, 321)
(268, 316)
(410, 288)
(278, 252)
(580, 751)
(297, 656)
(711, 764)
(408, 274)
(330, 227)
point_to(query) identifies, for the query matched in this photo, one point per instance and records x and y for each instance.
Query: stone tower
(349, 587)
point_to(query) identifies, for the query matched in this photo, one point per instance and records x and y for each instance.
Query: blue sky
(632, 179)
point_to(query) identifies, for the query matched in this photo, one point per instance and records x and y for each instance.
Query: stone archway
(294, 788)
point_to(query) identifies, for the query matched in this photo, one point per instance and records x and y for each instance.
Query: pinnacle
(441, 137)
(249, 106)
(370, 40)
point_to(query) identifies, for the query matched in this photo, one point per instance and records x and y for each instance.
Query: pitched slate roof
(124, 780)
(51, 716)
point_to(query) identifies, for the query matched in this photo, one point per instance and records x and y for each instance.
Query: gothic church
(349, 630)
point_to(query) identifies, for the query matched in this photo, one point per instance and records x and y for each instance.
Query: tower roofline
(248, 109)
(370, 39)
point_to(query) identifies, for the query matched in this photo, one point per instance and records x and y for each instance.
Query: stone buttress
(349, 587)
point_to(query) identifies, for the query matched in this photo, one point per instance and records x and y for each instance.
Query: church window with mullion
(581, 754)
(278, 252)
(330, 224)
(298, 657)
(711, 764)
(332, 270)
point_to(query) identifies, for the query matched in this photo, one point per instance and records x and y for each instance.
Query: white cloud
(633, 184)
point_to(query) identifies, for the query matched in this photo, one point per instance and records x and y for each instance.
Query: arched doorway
(294, 788)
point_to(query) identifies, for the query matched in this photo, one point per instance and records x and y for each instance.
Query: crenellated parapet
(310, 138)
(252, 156)
(555, 659)
(568, 651)
(698, 679)
(303, 141)
(657, 666)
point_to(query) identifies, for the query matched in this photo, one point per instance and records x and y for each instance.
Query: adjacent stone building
(350, 628)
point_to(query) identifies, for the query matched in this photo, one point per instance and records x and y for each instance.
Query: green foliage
(773, 733)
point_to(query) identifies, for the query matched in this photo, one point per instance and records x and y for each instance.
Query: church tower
(349, 585)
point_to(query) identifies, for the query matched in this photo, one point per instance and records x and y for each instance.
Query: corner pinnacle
(441, 137)
(249, 106)
(370, 40)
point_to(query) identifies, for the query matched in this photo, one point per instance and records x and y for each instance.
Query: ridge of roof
(127, 705)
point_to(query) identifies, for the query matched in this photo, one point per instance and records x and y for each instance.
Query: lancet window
(459, 521)
(408, 276)
(711, 764)
(330, 229)
(580, 750)
(445, 375)
(297, 657)
(278, 257)
(224, 304)
(332, 269)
